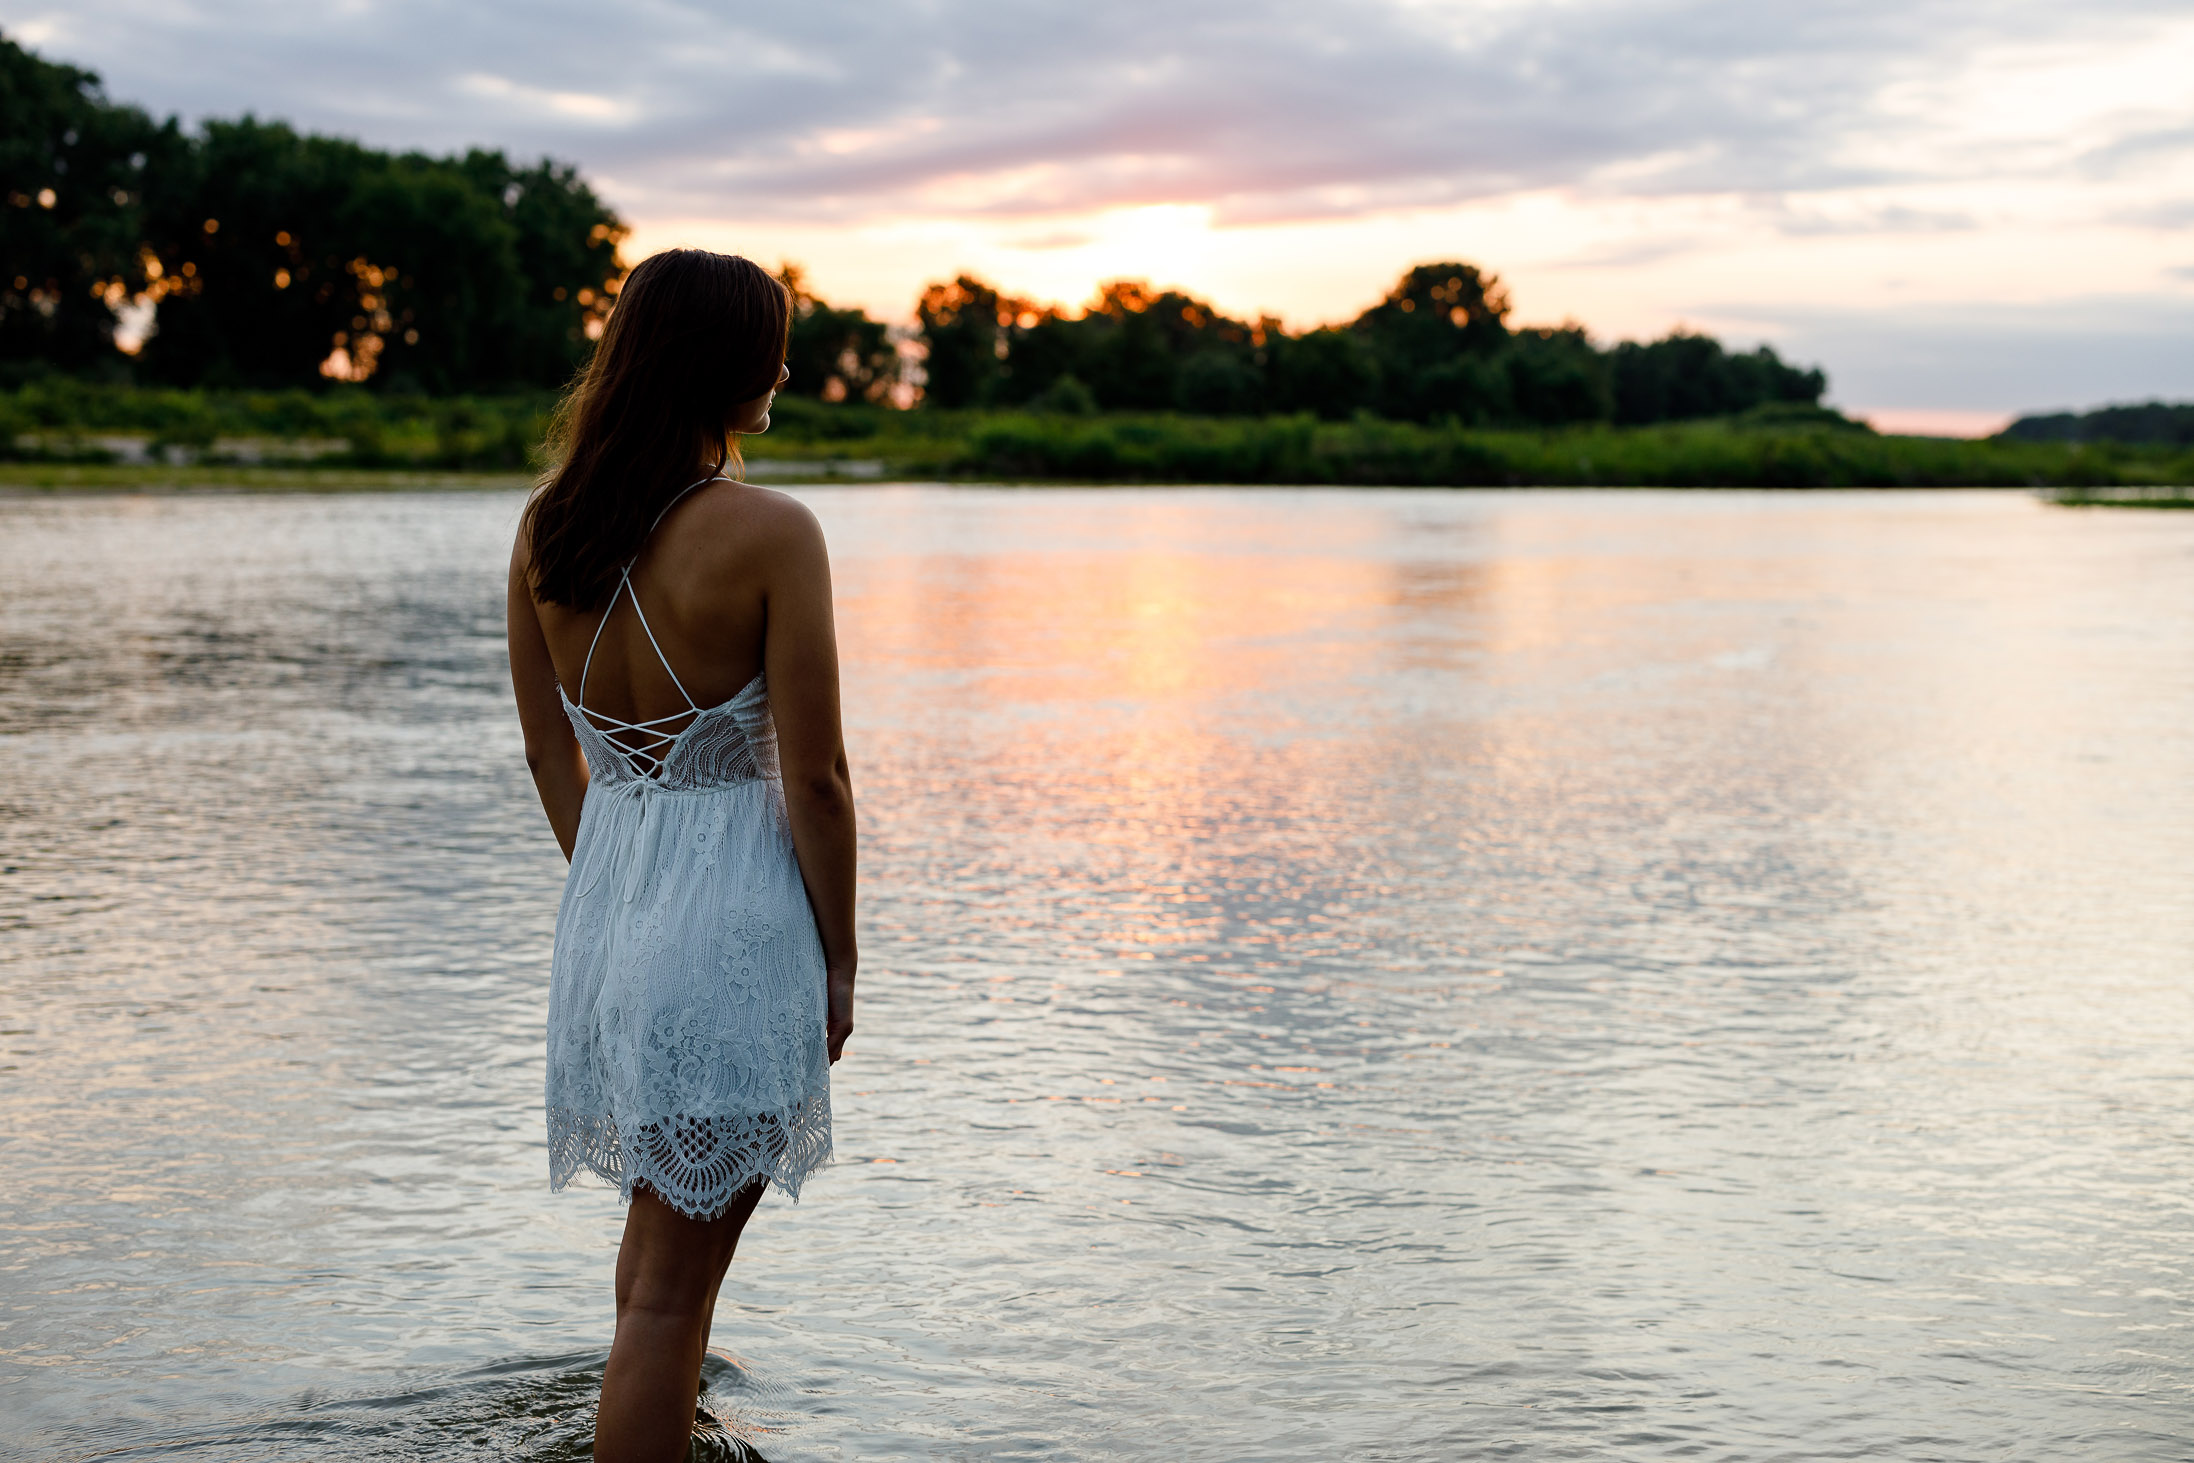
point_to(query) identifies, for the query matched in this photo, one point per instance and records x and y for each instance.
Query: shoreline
(807, 469)
(38, 479)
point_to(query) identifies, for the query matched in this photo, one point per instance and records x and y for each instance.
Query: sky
(1961, 209)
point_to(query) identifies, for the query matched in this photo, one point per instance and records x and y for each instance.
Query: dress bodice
(731, 742)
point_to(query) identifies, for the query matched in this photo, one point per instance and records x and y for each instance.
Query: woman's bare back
(703, 582)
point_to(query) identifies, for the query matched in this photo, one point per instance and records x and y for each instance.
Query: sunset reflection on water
(1383, 975)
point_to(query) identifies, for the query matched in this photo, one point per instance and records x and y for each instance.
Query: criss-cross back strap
(655, 742)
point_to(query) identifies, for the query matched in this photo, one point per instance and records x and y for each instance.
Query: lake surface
(1360, 975)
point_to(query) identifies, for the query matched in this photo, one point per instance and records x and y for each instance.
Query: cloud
(1262, 110)
(579, 105)
(1056, 239)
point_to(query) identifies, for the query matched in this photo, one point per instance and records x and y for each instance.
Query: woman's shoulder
(755, 504)
(739, 524)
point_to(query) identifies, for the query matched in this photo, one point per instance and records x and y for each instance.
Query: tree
(1330, 372)
(1685, 375)
(1133, 349)
(1043, 348)
(1473, 390)
(1434, 314)
(836, 355)
(1554, 376)
(267, 257)
(963, 328)
(565, 241)
(2148, 422)
(72, 174)
(233, 236)
(1216, 382)
(1140, 340)
(283, 258)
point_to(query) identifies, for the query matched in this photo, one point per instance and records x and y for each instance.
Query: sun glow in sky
(1960, 209)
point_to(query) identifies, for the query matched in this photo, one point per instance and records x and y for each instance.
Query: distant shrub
(2149, 423)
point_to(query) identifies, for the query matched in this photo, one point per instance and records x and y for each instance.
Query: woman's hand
(838, 1019)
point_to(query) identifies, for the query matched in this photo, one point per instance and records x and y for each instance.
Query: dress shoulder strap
(660, 658)
(674, 502)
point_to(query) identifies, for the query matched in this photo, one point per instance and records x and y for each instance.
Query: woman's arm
(559, 768)
(800, 659)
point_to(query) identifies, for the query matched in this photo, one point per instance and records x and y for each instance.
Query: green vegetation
(74, 432)
(1771, 447)
(2148, 423)
(1438, 348)
(231, 478)
(60, 420)
(248, 255)
(2177, 495)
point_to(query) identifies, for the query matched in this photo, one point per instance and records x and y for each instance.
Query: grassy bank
(62, 428)
(1714, 454)
(249, 478)
(59, 421)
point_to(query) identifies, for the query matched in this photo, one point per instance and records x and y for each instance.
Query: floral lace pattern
(687, 989)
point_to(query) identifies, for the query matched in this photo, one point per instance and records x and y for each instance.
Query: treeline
(245, 254)
(2148, 423)
(1439, 347)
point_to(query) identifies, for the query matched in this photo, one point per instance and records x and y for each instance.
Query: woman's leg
(668, 1269)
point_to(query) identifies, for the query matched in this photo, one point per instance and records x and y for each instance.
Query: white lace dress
(687, 991)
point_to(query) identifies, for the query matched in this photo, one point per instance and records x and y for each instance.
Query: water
(1347, 975)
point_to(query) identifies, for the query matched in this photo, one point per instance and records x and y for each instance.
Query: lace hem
(695, 1165)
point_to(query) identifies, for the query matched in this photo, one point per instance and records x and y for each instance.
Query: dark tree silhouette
(2143, 423)
(73, 168)
(836, 355)
(273, 258)
(1685, 375)
(285, 258)
(963, 326)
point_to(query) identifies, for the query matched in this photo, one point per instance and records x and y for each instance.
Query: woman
(676, 667)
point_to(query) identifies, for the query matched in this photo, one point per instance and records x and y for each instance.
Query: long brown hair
(693, 336)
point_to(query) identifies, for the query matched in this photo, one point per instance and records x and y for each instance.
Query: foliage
(1770, 450)
(963, 326)
(57, 418)
(1330, 373)
(1774, 445)
(1432, 338)
(2148, 422)
(1686, 375)
(1437, 348)
(282, 258)
(73, 169)
(834, 354)
(271, 258)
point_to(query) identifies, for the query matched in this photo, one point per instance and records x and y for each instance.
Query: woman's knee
(680, 1297)
(671, 1263)
(669, 1279)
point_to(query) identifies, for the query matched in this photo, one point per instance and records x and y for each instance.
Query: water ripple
(1379, 975)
